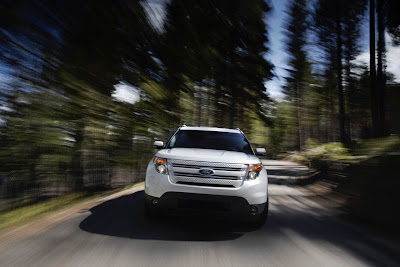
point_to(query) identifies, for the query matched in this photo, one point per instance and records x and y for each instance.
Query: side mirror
(261, 151)
(158, 144)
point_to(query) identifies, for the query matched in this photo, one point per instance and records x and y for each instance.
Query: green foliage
(371, 152)
(312, 143)
(377, 147)
(320, 157)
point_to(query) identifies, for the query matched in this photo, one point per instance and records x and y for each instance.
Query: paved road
(299, 232)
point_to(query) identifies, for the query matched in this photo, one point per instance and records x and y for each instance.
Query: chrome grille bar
(200, 166)
(207, 176)
(209, 164)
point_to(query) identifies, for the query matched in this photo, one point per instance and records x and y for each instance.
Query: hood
(211, 155)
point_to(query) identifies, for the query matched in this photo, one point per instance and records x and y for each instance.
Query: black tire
(149, 211)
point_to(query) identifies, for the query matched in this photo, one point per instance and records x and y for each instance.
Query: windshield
(210, 140)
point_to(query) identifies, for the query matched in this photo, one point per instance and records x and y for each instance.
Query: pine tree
(332, 19)
(296, 32)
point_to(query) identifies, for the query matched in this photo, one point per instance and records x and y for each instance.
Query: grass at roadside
(24, 214)
(320, 157)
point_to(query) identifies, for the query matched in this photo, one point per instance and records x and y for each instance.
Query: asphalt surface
(299, 232)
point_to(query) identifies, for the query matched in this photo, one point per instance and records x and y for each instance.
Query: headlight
(253, 171)
(161, 165)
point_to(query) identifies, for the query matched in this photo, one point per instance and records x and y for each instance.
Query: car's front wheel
(149, 211)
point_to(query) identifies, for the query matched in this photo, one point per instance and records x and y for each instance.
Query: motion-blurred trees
(300, 69)
(326, 92)
(387, 20)
(337, 27)
(62, 127)
(209, 44)
(59, 121)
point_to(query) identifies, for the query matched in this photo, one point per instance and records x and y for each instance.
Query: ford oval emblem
(206, 171)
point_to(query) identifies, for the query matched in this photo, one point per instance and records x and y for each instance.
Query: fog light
(253, 209)
(154, 201)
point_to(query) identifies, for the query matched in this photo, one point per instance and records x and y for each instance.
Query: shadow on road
(293, 224)
(123, 217)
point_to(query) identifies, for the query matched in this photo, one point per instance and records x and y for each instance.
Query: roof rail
(239, 130)
(183, 125)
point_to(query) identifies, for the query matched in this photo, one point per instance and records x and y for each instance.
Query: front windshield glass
(210, 140)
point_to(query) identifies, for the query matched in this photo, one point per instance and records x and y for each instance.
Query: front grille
(226, 177)
(208, 164)
(200, 167)
(225, 174)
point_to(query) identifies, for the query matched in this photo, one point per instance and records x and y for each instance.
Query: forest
(64, 126)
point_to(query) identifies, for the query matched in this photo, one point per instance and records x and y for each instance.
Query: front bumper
(254, 192)
(187, 203)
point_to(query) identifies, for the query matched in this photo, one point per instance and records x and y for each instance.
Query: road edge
(43, 222)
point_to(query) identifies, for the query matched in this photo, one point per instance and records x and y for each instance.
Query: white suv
(212, 169)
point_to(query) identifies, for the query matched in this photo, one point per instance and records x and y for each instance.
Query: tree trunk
(199, 106)
(298, 116)
(217, 107)
(349, 91)
(342, 115)
(380, 78)
(232, 112)
(374, 106)
(77, 169)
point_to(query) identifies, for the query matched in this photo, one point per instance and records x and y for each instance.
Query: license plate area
(194, 204)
